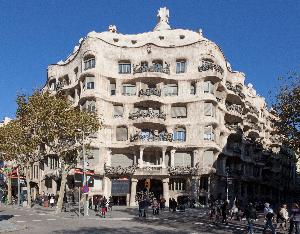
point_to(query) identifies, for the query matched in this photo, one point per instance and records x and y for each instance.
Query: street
(121, 220)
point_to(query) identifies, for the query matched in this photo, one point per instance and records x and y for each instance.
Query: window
(89, 63)
(177, 184)
(193, 88)
(209, 109)
(35, 171)
(52, 84)
(89, 83)
(112, 89)
(180, 66)
(124, 68)
(208, 87)
(209, 133)
(129, 90)
(118, 111)
(179, 134)
(171, 90)
(178, 112)
(53, 162)
(144, 64)
(121, 134)
(89, 106)
(158, 65)
(204, 183)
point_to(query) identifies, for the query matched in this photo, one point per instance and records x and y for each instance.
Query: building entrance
(156, 187)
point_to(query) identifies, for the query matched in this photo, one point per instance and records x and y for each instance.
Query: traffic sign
(85, 189)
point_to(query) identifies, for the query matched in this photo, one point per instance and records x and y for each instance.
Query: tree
(287, 107)
(58, 126)
(21, 147)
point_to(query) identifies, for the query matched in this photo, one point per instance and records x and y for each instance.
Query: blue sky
(259, 38)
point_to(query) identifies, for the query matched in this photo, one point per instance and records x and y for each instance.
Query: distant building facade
(174, 112)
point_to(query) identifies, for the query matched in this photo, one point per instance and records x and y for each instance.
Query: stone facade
(173, 111)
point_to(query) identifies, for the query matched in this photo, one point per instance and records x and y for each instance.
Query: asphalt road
(121, 220)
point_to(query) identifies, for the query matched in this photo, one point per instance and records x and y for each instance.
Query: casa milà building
(173, 111)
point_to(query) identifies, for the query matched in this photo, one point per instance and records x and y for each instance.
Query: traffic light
(147, 183)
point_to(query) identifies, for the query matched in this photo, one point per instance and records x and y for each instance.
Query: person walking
(282, 217)
(269, 215)
(251, 216)
(90, 203)
(96, 203)
(174, 206)
(224, 210)
(295, 219)
(110, 203)
(52, 201)
(103, 207)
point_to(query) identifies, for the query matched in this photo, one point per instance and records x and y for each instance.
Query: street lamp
(85, 207)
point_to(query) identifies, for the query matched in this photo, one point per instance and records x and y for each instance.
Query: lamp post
(227, 172)
(85, 208)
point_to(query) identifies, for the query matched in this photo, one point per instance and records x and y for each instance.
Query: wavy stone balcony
(183, 170)
(153, 136)
(252, 111)
(238, 90)
(150, 113)
(120, 170)
(153, 68)
(207, 65)
(61, 85)
(150, 92)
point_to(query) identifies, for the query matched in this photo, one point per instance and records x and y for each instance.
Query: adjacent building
(174, 112)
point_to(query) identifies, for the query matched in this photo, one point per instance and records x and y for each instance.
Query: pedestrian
(110, 203)
(269, 215)
(295, 219)
(170, 204)
(282, 217)
(96, 203)
(162, 203)
(52, 201)
(90, 203)
(224, 210)
(155, 207)
(103, 206)
(174, 204)
(251, 216)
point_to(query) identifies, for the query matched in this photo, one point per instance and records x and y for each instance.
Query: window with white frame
(89, 106)
(209, 109)
(208, 87)
(125, 68)
(177, 184)
(53, 162)
(180, 66)
(89, 62)
(179, 134)
(35, 171)
(171, 90)
(209, 133)
(112, 86)
(118, 111)
(129, 90)
(121, 133)
(89, 82)
(178, 112)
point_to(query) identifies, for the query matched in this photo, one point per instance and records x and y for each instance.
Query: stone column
(141, 160)
(166, 190)
(133, 191)
(163, 163)
(172, 163)
(108, 158)
(195, 158)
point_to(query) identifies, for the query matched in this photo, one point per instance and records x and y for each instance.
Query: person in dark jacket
(251, 215)
(224, 209)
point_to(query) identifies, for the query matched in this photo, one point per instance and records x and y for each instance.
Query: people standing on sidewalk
(52, 201)
(110, 203)
(155, 207)
(96, 203)
(269, 215)
(103, 206)
(251, 216)
(282, 217)
(90, 203)
(295, 219)
(163, 203)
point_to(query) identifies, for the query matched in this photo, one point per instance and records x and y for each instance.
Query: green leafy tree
(58, 126)
(287, 107)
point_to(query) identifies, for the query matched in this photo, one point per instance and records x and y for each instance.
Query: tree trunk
(9, 200)
(28, 185)
(62, 190)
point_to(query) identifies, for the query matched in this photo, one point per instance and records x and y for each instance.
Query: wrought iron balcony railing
(182, 170)
(150, 92)
(236, 89)
(153, 68)
(150, 113)
(120, 170)
(234, 108)
(207, 65)
(151, 136)
(59, 85)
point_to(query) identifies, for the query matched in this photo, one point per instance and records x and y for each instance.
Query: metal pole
(86, 210)
(19, 194)
(227, 186)
(79, 202)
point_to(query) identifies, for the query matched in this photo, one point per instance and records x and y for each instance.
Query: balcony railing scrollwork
(59, 85)
(120, 170)
(183, 170)
(234, 108)
(153, 68)
(150, 92)
(236, 89)
(152, 136)
(150, 113)
(207, 65)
